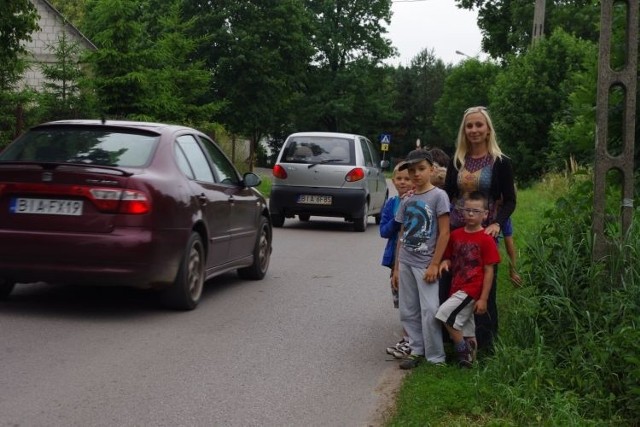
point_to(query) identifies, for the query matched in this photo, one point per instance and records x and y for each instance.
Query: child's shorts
(457, 312)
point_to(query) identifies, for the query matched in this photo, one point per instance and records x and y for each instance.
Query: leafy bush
(576, 356)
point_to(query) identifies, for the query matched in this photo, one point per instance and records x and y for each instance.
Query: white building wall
(42, 46)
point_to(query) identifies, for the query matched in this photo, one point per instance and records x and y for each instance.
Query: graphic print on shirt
(467, 261)
(418, 226)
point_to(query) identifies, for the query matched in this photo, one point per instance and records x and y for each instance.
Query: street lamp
(463, 54)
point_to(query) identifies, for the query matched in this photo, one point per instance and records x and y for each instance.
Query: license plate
(46, 206)
(314, 200)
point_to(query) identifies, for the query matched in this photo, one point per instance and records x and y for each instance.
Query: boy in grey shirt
(424, 233)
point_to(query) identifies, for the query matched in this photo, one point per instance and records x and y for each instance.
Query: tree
(122, 57)
(146, 67)
(348, 40)
(72, 10)
(530, 94)
(419, 86)
(467, 85)
(258, 52)
(573, 133)
(507, 25)
(19, 19)
(62, 97)
(178, 81)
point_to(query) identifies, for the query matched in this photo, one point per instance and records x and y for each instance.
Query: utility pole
(627, 78)
(538, 21)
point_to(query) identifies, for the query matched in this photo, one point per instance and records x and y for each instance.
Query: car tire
(261, 254)
(304, 217)
(186, 291)
(360, 223)
(6, 287)
(277, 220)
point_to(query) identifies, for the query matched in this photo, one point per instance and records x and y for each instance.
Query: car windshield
(314, 150)
(94, 146)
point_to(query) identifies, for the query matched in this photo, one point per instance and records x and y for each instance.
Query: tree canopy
(533, 92)
(507, 25)
(19, 19)
(467, 85)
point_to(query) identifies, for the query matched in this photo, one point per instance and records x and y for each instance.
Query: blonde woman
(479, 164)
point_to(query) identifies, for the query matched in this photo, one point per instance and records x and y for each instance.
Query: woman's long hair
(462, 145)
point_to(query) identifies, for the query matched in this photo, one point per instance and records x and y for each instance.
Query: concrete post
(626, 78)
(538, 21)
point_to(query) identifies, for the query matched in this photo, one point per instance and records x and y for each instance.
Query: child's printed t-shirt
(469, 253)
(419, 216)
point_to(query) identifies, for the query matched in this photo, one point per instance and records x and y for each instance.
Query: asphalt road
(304, 347)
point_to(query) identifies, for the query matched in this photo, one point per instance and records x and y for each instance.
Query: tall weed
(575, 358)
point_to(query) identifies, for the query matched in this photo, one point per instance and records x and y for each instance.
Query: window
(225, 171)
(366, 152)
(374, 154)
(196, 159)
(319, 149)
(83, 144)
(183, 163)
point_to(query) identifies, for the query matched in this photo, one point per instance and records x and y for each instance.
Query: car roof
(129, 124)
(327, 134)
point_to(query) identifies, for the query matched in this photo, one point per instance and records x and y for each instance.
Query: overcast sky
(433, 24)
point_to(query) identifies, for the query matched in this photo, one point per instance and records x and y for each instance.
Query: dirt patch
(386, 390)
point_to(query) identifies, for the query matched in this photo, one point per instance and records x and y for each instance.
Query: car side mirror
(251, 179)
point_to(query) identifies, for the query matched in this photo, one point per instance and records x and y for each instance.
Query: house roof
(70, 25)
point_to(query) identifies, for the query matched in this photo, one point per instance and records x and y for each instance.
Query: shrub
(575, 358)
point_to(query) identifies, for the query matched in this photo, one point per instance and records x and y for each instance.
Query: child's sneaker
(400, 351)
(465, 360)
(411, 361)
(473, 348)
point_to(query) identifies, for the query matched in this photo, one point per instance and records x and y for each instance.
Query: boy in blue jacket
(389, 230)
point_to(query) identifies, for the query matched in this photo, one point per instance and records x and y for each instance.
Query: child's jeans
(419, 302)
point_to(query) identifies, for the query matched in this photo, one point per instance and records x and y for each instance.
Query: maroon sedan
(145, 205)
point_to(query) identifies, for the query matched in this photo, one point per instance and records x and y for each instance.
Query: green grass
(265, 185)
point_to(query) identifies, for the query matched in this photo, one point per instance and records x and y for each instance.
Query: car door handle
(203, 199)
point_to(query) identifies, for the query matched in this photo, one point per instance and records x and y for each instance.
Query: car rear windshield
(105, 147)
(315, 149)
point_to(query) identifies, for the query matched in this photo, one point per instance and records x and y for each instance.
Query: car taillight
(355, 174)
(279, 172)
(111, 200)
(121, 201)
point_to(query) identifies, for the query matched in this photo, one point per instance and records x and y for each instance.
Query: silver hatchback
(328, 174)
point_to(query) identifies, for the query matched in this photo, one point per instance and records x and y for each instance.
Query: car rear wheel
(304, 217)
(277, 220)
(360, 223)
(186, 290)
(6, 287)
(261, 254)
